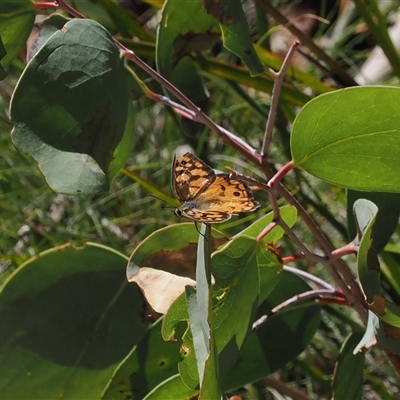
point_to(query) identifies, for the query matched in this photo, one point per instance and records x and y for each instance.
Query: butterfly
(206, 196)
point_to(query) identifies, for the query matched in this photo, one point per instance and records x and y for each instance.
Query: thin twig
(278, 80)
(326, 295)
(310, 277)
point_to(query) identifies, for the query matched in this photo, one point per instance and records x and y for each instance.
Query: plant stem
(278, 80)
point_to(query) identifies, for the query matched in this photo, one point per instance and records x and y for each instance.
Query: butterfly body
(207, 196)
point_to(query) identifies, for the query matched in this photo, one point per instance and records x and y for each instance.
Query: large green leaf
(68, 317)
(351, 138)
(70, 109)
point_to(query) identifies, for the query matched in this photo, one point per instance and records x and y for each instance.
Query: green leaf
(367, 261)
(199, 300)
(171, 389)
(175, 41)
(16, 23)
(386, 220)
(235, 32)
(270, 267)
(351, 138)
(68, 318)
(235, 270)
(45, 28)
(369, 338)
(70, 109)
(149, 364)
(368, 267)
(200, 333)
(178, 312)
(3, 52)
(188, 367)
(348, 376)
(287, 213)
(262, 82)
(280, 339)
(211, 388)
(128, 26)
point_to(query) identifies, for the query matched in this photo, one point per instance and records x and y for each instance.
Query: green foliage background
(35, 219)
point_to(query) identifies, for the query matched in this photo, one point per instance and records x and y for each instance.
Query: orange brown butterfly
(206, 196)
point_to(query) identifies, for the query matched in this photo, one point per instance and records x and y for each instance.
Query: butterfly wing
(223, 198)
(190, 177)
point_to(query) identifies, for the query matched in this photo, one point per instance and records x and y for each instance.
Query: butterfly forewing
(190, 177)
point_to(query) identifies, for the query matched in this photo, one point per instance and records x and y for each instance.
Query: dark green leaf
(3, 52)
(68, 318)
(211, 387)
(348, 377)
(177, 40)
(235, 32)
(367, 261)
(280, 339)
(70, 109)
(172, 389)
(150, 363)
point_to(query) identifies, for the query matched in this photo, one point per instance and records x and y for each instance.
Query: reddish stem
(293, 258)
(46, 4)
(266, 230)
(343, 251)
(280, 174)
(70, 10)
